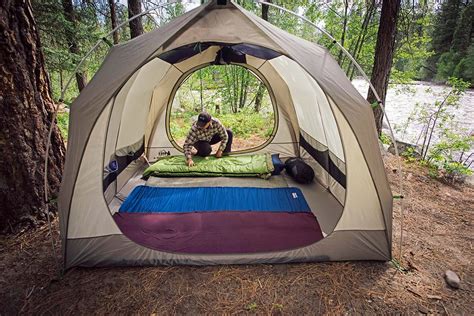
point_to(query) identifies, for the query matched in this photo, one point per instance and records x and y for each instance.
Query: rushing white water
(402, 99)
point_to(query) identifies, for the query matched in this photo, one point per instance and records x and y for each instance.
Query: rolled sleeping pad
(299, 170)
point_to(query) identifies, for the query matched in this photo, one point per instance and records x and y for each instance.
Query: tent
(124, 111)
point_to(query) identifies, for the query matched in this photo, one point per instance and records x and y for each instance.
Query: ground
(437, 236)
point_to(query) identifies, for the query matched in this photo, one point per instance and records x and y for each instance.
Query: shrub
(448, 158)
(385, 139)
(243, 124)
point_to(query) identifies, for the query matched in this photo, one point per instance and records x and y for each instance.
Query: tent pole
(379, 101)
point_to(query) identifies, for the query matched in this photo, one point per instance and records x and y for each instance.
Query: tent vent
(221, 2)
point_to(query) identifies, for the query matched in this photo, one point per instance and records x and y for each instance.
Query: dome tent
(124, 111)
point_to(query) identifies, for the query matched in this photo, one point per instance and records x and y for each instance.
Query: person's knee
(204, 149)
(230, 136)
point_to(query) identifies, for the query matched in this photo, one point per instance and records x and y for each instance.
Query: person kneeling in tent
(206, 131)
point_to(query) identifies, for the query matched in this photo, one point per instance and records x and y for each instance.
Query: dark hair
(203, 119)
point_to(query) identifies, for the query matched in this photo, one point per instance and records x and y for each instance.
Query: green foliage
(452, 41)
(465, 67)
(385, 139)
(446, 64)
(252, 307)
(447, 158)
(278, 307)
(248, 123)
(410, 154)
(63, 123)
(359, 37)
(54, 27)
(231, 94)
(445, 25)
(243, 124)
(223, 89)
(413, 42)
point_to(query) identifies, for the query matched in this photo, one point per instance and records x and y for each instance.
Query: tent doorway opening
(232, 93)
(243, 203)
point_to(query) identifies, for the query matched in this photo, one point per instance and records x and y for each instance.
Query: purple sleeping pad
(220, 232)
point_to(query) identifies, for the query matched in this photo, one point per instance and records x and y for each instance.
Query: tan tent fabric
(126, 105)
(324, 69)
(121, 62)
(99, 252)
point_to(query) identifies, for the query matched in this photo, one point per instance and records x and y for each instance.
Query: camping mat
(145, 199)
(235, 166)
(220, 232)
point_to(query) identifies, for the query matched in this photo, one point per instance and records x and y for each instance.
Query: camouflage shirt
(196, 134)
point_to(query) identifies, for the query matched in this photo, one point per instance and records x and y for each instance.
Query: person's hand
(219, 154)
(190, 162)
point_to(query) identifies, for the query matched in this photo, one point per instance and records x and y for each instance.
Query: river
(401, 100)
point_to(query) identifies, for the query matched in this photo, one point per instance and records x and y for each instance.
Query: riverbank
(437, 236)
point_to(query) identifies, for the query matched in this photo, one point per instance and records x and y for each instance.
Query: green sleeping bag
(231, 166)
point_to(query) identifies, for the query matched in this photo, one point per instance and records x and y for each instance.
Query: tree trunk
(136, 27)
(26, 110)
(383, 58)
(71, 39)
(265, 10)
(113, 20)
(361, 37)
(344, 28)
(259, 97)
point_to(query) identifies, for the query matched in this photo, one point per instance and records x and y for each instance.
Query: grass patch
(63, 123)
(243, 124)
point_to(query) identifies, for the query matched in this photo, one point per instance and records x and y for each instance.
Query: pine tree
(136, 26)
(443, 31)
(444, 26)
(463, 34)
(383, 58)
(452, 37)
(71, 32)
(113, 20)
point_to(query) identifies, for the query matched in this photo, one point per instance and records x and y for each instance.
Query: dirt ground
(438, 236)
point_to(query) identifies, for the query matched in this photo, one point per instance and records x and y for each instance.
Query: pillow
(277, 164)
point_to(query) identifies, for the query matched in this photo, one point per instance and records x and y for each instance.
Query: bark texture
(265, 8)
(113, 20)
(261, 86)
(72, 41)
(26, 111)
(136, 27)
(384, 50)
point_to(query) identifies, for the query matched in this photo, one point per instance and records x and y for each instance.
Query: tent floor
(322, 203)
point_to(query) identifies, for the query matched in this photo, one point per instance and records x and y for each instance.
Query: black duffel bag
(299, 170)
